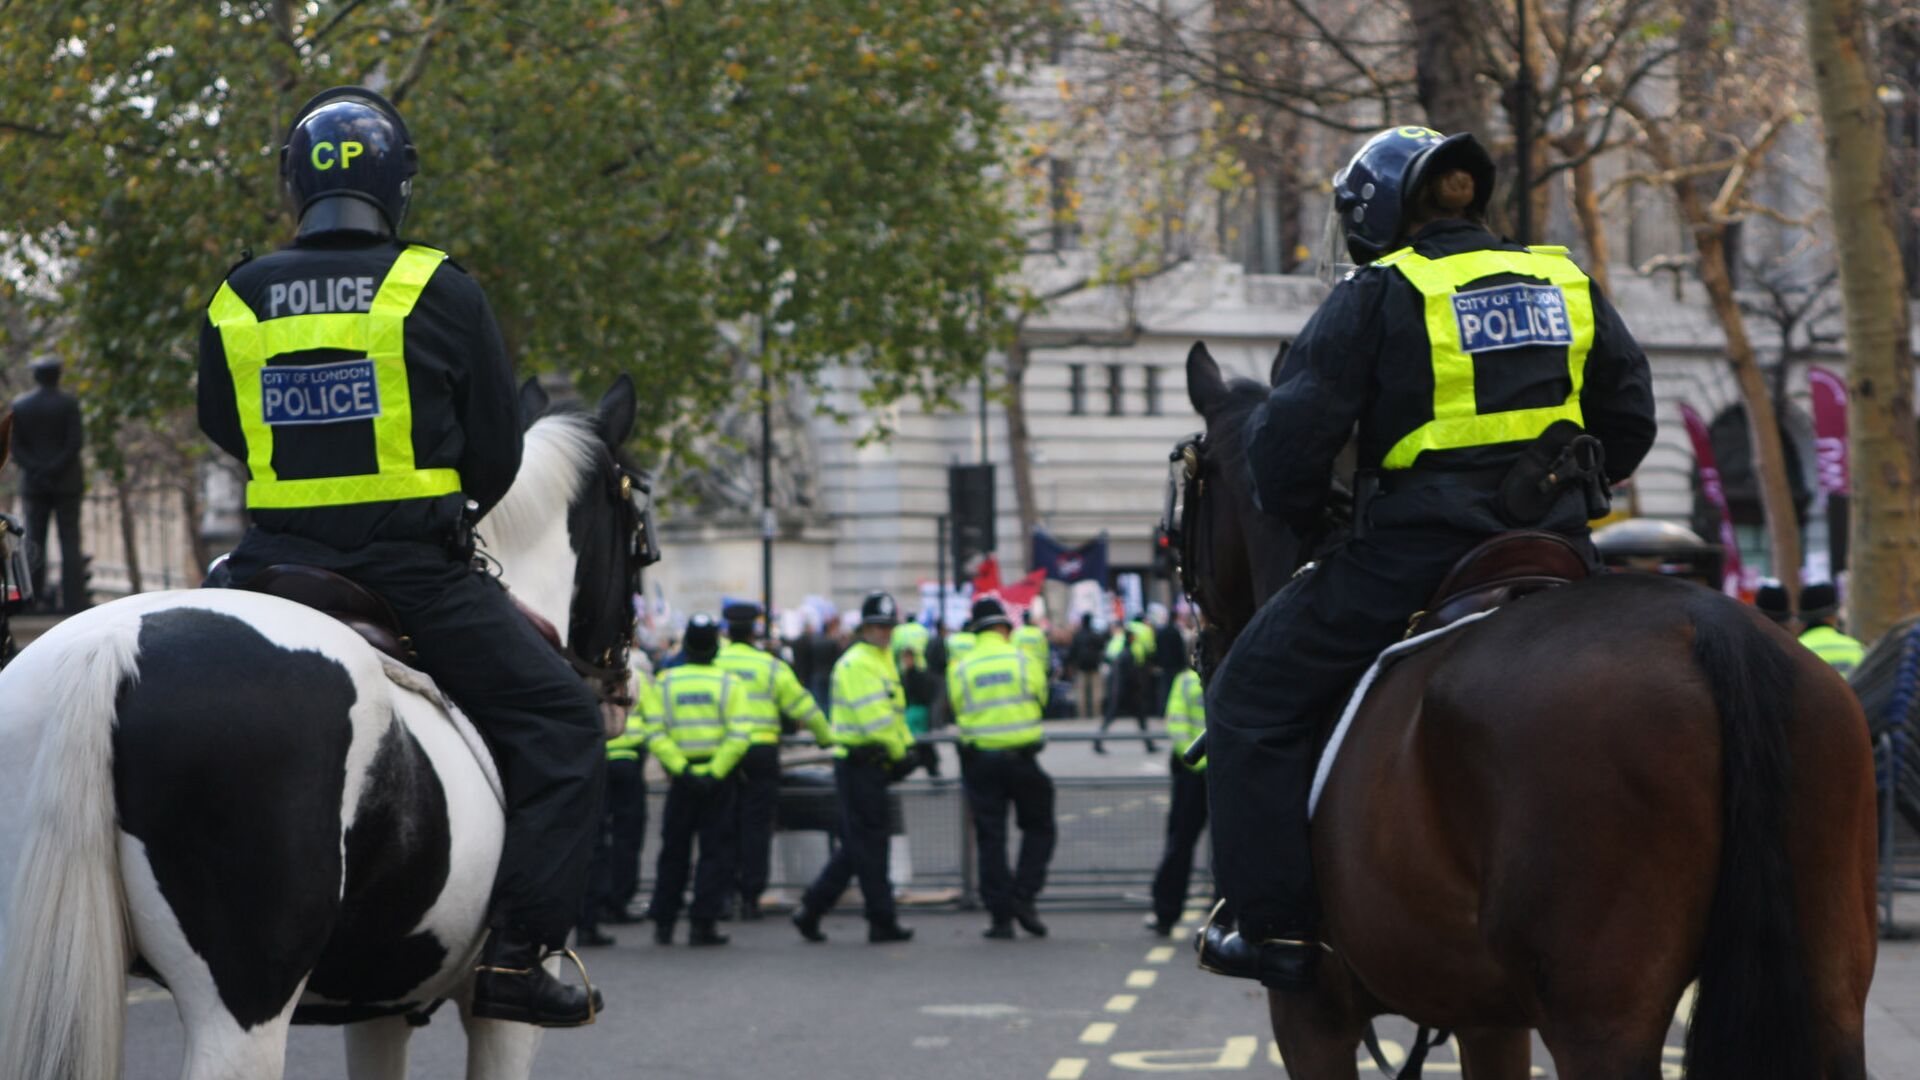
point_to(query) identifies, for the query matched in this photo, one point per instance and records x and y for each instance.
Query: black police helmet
(878, 609)
(1771, 599)
(740, 617)
(348, 164)
(988, 612)
(1371, 195)
(1819, 602)
(701, 642)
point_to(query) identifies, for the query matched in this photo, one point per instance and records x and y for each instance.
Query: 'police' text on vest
(1512, 317)
(320, 393)
(319, 296)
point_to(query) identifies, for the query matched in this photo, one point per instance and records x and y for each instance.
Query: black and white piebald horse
(240, 796)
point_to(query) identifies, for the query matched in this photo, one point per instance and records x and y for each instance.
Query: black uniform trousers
(539, 718)
(860, 794)
(64, 512)
(759, 797)
(615, 875)
(995, 780)
(703, 808)
(1127, 691)
(1285, 676)
(1186, 820)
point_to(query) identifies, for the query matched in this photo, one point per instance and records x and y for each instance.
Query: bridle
(1181, 521)
(603, 663)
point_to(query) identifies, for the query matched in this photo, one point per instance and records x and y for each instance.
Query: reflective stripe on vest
(757, 670)
(1836, 648)
(378, 334)
(691, 707)
(858, 717)
(1457, 424)
(995, 710)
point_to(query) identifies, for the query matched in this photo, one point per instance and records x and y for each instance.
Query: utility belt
(1561, 458)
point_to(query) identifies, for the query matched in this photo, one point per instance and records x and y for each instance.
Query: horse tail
(1752, 1014)
(63, 990)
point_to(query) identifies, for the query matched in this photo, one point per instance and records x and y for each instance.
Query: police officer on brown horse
(1494, 388)
(364, 383)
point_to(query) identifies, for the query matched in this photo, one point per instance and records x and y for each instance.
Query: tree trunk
(1586, 208)
(1019, 439)
(1769, 457)
(1884, 540)
(129, 536)
(1446, 65)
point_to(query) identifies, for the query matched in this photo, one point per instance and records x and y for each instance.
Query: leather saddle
(361, 609)
(1499, 571)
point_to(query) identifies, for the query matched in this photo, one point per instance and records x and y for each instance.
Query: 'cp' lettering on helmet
(325, 155)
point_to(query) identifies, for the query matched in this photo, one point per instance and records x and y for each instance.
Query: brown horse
(1559, 817)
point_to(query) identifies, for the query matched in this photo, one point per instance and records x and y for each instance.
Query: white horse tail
(63, 988)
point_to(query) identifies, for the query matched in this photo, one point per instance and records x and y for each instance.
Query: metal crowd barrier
(1899, 845)
(1111, 832)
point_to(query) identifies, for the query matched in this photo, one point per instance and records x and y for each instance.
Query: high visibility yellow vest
(1463, 323)
(998, 695)
(379, 336)
(701, 722)
(772, 690)
(1033, 641)
(1836, 648)
(630, 744)
(1187, 714)
(958, 645)
(869, 705)
(911, 637)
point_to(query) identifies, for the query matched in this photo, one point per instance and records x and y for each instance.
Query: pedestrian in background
(772, 693)
(47, 441)
(699, 731)
(1170, 652)
(1819, 612)
(871, 747)
(1084, 654)
(999, 696)
(1187, 811)
(614, 874)
(917, 682)
(1128, 653)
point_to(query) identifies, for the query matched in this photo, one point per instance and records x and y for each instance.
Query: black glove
(903, 768)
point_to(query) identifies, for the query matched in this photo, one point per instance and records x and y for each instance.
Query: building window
(1153, 390)
(1116, 390)
(1063, 223)
(1077, 389)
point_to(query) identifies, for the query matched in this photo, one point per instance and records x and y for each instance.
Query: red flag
(1021, 593)
(1716, 494)
(986, 579)
(1830, 429)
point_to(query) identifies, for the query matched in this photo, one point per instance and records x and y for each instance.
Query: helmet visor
(1334, 258)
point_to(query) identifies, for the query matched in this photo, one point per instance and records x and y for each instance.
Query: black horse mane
(1227, 422)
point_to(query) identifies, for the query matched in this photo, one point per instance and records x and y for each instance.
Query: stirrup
(585, 982)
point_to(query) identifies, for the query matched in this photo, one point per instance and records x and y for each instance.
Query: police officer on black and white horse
(1473, 368)
(364, 383)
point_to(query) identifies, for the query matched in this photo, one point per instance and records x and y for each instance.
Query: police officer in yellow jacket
(1129, 650)
(870, 749)
(999, 696)
(1187, 812)
(773, 692)
(700, 730)
(364, 383)
(1819, 610)
(615, 872)
(1494, 388)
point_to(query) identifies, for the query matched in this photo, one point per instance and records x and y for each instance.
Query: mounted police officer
(363, 382)
(999, 695)
(1487, 380)
(870, 748)
(772, 692)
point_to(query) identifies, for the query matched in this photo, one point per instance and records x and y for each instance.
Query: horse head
(1232, 556)
(575, 530)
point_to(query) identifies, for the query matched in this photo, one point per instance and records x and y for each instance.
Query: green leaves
(625, 179)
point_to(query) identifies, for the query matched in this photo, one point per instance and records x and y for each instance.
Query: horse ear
(616, 411)
(1279, 362)
(1205, 387)
(533, 402)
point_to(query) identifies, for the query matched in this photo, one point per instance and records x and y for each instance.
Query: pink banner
(1830, 429)
(1716, 494)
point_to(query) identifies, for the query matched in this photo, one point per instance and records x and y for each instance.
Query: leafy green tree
(627, 179)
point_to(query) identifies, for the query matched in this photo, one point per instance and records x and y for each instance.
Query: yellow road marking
(1068, 1069)
(1159, 954)
(1141, 978)
(1235, 1054)
(1101, 811)
(1099, 1032)
(1122, 1002)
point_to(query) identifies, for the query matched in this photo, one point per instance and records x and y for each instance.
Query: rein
(1180, 521)
(607, 672)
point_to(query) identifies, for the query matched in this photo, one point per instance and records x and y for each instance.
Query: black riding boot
(510, 984)
(1286, 963)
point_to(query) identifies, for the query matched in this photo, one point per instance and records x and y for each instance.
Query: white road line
(1068, 1069)
(1160, 954)
(1099, 1032)
(1120, 1003)
(1141, 978)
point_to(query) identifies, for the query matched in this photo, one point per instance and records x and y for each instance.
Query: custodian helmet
(348, 164)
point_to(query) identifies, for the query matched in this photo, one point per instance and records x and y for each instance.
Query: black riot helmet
(1372, 194)
(348, 164)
